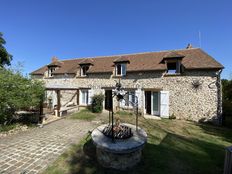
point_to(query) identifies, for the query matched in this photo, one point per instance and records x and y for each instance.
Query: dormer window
(120, 69)
(53, 66)
(120, 65)
(50, 71)
(173, 62)
(84, 69)
(173, 67)
(85, 64)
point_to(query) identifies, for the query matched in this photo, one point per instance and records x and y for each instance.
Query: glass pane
(123, 69)
(155, 101)
(84, 97)
(118, 69)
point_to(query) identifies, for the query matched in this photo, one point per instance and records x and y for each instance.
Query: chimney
(189, 46)
(55, 59)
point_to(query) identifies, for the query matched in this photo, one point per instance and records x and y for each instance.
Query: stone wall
(185, 101)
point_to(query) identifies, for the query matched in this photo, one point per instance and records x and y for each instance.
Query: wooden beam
(78, 97)
(58, 102)
(54, 89)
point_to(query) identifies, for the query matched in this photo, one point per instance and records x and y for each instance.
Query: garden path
(32, 151)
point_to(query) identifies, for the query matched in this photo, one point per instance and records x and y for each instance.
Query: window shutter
(138, 98)
(90, 94)
(122, 103)
(78, 93)
(123, 69)
(164, 104)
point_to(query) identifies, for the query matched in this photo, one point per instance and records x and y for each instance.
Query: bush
(96, 105)
(18, 93)
(172, 116)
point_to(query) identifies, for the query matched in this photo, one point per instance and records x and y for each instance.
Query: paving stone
(32, 151)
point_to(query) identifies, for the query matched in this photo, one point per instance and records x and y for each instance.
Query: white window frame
(50, 71)
(127, 104)
(156, 113)
(86, 100)
(123, 69)
(174, 71)
(131, 96)
(82, 72)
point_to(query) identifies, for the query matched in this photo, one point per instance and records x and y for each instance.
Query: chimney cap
(55, 59)
(189, 46)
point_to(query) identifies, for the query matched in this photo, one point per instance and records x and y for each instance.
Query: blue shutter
(123, 69)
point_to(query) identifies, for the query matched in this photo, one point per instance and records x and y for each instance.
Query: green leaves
(18, 93)
(5, 57)
(96, 104)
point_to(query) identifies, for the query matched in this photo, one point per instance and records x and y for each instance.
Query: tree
(227, 101)
(5, 57)
(18, 93)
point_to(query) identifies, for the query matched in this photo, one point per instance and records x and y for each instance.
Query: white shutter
(122, 103)
(164, 104)
(90, 94)
(138, 94)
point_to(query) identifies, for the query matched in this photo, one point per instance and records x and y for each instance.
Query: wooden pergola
(57, 89)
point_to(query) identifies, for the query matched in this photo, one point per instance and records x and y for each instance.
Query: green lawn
(84, 114)
(173, 146)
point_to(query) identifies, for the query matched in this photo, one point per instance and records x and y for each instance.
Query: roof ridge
(98, 57)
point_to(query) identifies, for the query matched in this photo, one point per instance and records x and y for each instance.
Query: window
(84, 69)
(173, 67)
(50, 71)
(84, 97)
(120, 69)
(130, 98)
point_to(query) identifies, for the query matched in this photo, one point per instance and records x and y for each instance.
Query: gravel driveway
(32, 151)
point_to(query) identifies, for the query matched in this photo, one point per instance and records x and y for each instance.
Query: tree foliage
(5, 57)
(227, 97)
(18, 93)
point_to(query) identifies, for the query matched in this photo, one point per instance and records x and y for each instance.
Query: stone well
(122, 153)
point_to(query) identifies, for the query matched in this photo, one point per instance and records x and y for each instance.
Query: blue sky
(36, 30)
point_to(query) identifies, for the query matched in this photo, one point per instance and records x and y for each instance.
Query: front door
(108, 99)
(155, 103)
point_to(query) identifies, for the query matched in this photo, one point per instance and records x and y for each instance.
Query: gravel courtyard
(32, 151)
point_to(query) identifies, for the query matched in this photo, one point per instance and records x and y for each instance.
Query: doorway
(152, 103)
(108, 100)
(148, 102)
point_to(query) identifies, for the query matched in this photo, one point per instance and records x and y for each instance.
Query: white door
(155, 103)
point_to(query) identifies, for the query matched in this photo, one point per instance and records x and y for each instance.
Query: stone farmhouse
(182, 83)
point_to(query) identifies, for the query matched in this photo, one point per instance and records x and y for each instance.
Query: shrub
(18, 93)
(172, 116)
(96, 105)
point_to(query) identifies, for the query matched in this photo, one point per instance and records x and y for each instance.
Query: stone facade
(193, 95)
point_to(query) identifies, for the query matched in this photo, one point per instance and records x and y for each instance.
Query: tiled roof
(193, 58)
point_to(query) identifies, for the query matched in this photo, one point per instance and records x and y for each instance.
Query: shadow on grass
(175, 154)
(222, 132)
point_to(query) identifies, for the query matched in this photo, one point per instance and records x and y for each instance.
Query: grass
(84, 114)
(6, 128)
(173, 146)
(124, 113)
